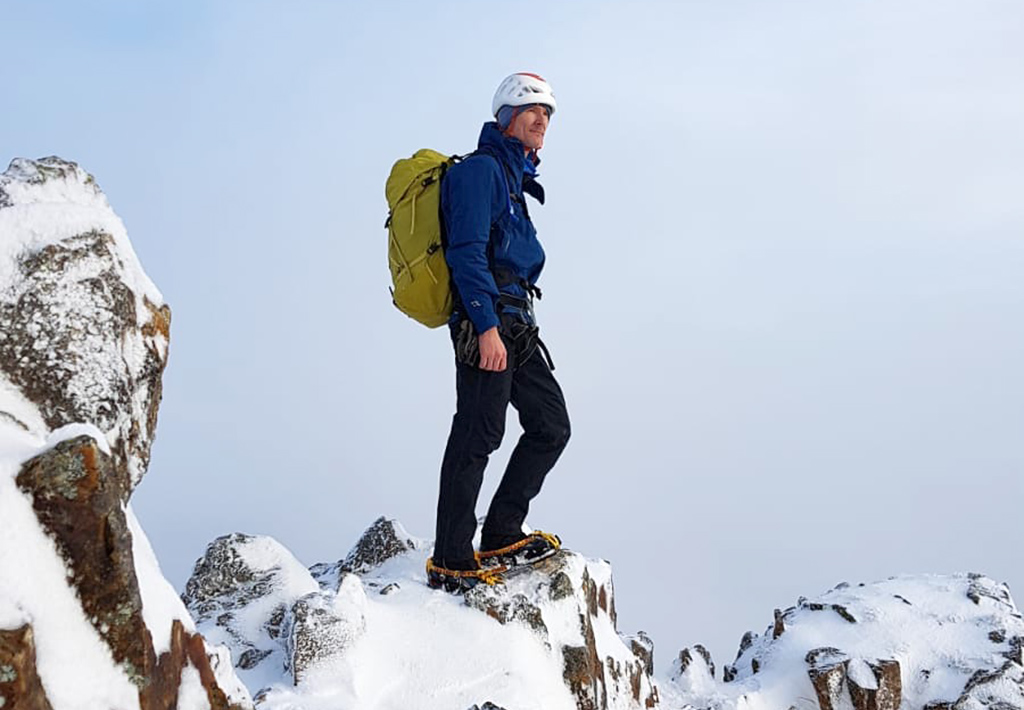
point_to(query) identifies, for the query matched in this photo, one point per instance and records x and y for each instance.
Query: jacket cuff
(484, 319)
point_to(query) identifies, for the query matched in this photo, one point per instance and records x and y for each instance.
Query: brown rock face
(19, 682)
(581, 671)
(598, 677)
(779, 627)
(643, 648)
(889, 691)
(687, 658)
(161, 691)
(590, 680)
(76, 498)
(829, 670)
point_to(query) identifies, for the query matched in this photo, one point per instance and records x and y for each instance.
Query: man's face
(529, 126)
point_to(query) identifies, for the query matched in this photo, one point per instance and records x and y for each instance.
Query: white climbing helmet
(521, 89)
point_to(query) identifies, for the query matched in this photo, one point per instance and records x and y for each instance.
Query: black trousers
(477, 430)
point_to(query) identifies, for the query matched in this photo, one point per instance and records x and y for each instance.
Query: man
(495, 260)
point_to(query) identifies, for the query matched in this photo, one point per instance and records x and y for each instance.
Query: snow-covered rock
(381, 638)
(87, 619)
(324, 626)
(83, 331)
(928, 641)
(243, 593)
(384, 539)
(568, 601)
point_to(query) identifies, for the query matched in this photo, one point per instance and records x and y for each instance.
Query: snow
(191, 695)
(68, 203)
(70, 431)
(415, 647)
(425, 649)
(161, 605)
(860, 673)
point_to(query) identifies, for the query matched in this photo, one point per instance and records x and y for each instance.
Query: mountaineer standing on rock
(495, 260)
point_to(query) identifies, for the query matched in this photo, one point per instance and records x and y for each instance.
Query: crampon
(457, 581)
(533, 548)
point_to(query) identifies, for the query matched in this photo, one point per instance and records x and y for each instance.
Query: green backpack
(419, 273)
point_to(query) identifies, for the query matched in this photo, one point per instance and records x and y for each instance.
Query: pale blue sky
(785, 244)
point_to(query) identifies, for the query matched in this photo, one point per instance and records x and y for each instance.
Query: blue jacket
(487, 227)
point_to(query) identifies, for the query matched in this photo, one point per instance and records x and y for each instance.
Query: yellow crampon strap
(490, 575)
(552, 539)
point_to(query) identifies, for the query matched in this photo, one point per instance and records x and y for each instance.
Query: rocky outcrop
(566, 586)
(905, 642)
(324, 626)
(83, 344)
(699, 654)
(556, 618)
(839, 681)
(83, 332)
(643, 648)
(251, 594)
(384, 540)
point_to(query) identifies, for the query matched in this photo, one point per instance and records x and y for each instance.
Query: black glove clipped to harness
(520, 339)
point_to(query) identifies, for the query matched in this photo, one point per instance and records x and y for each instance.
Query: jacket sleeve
(470, 201)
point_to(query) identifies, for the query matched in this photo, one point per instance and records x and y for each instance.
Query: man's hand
(493, 356)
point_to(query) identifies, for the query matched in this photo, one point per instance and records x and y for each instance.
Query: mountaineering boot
(531, 548)
(457, 581)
